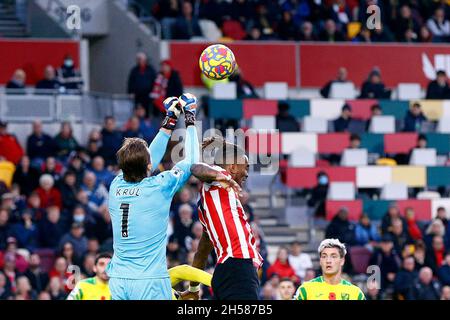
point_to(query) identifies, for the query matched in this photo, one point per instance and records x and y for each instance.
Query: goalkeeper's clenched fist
(189, 104)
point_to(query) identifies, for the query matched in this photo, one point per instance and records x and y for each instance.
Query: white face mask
(68, 63)
(78, 218)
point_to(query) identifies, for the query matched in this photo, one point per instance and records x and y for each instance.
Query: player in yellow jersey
(331, 285)
(95, 288)
(187, 273)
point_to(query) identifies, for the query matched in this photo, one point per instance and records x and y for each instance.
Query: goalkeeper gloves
(173, 108)
(189, 104)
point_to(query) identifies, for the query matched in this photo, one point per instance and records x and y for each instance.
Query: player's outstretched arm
(206, 173)
(158, 146)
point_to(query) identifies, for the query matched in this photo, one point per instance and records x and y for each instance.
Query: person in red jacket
(9, 146)
(413, 229)
(281, 267)
(48, 194)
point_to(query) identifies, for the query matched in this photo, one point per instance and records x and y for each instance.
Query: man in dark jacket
(435, 255)
(405, 279)
(439, 88)
(425, 287)
(111, 141)
(50, 82)
(285, 122)
(51, 229)
(373, 88)
(39, 144)
(38, 278)
(414, 119)
(68, 76)
(5, 228)
(140, 80)
(341, 124)
(319, 194)
(341, 78)
(444, 271)
(341, 228)
(388, 260)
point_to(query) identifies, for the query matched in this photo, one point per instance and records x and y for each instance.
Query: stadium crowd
(419, 21)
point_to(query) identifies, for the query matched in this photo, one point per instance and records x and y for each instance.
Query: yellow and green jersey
(318, 289)
(90, 289)
(187, 273)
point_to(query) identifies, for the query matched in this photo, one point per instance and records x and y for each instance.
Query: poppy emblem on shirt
(332, 296)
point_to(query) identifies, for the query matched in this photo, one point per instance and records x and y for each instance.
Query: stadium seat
(210, 30)
(440, 142)
(382, 124)
(225, 109)
(376, 209)
(422, 208)
(403, 142)
(342, 90)
(354, 158)
(329, 109)
(395, 108)
(444, 125)
(302, 158)
(374, 143)
(264, 142)
(263, 122)
(291, 141)
(233, 29)
(341, 191)
(412, 176)
(354, 208)
(433, 109)
(394, 191)
(408, 91)
(423, 157)
(333, 143)
(316, 125)
(428, 195)
(361, 108)
(307, 177)
(224, 91)
(360, 257)
(373, 176)
(438, 176)
(436, 203)
(257, 107)
(299, 108)
(276, 90)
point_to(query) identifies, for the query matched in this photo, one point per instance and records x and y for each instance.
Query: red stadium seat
(333, 142)
(233, 29)
(307, 177)
(360, 257)
(263, 143)
(399, 142)
(361, 108)
(256, 107)
(422, 208)
(355, 208)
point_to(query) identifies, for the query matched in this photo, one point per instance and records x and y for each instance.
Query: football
(217, 62)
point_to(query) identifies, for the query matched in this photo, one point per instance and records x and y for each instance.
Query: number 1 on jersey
(125, 207)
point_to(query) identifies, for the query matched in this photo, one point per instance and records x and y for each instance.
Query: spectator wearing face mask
(319, 194)
(69, 77)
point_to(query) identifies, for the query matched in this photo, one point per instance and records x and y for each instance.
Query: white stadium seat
(341, 191)
(408, 91)
(436, 203)
(354, 157)
(428, 195)
(382, 124)
(423, 157)
(291, 141)
(394, 191)
(263, 122)
(316, 125)
(225, 91)
(210, 30)
(302, 158)
(373, 176)
(329, 109)
(342, 90)
(276, 90)
(444, 125)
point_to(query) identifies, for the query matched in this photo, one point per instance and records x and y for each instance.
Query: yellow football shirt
(90, 289)
(318, 289)
(187, 273)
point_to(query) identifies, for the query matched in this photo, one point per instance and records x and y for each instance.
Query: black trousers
(235, 279)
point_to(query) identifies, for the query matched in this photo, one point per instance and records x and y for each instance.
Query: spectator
(340, 78)
(441, 214)
(68, 76)
(77, 166)
(307, 32)
(435, 254)
(267, 292)
(186, 26)
(248, 209)
(330, 32)
(53, 168)
(341, 124)
(425, 287)
(399, 235)
(65, 142)
(93, 246)
(167, 84)
(145, 126)
(445, 293)
(5, 228)
(10, 148)
(406, 25)
(103, 175)
(287, 30)
(140, 81)
(366, 233)
(264, 20)
(405, 279)
(355, 141)
(373, 87)
(26, 231)
(68, 189)
(443, 272)
(254, 35)
(51, 229)
(111, 141)
(21, 262)
(414, 119)
(5, 290)
(34, 204)
(71, 256)
(244, 88)
(76, 238)
(88, 265)
(24, 290)
(309, 275)
(373, 293)
(285, 122)
(298, 260)
(438, 88)
(282, 268)
(419, 254)
(134, 128)
(96, 191)
(48, 194)
(286, 289)
(319, 194)
(61, 273)
(50, 83)
(388, 260)
(341, 228)
(381, 34)
(17, 84)
(425, 35)
(55, 290)
(439, 26)
(413, 229)
(38, 278)
(393, 213)
(185, 196)
(40, 145)
(183, 225)
(435, 228)
(375, 110)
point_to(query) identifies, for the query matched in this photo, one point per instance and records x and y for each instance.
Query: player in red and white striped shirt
(226, 228)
